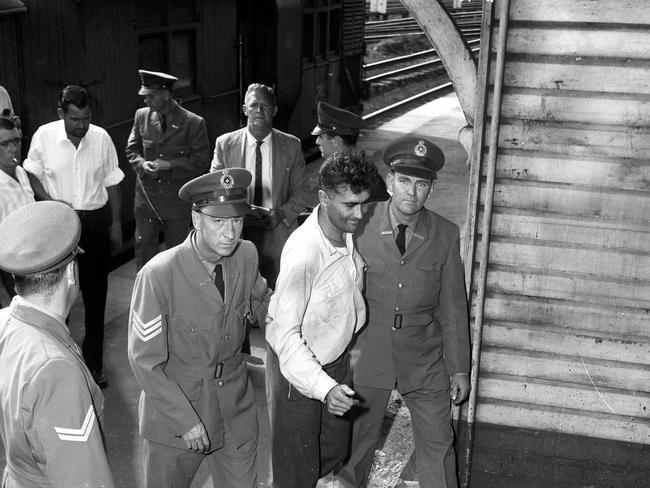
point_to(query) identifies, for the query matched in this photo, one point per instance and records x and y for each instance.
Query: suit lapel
(420, 234)
(277, 169)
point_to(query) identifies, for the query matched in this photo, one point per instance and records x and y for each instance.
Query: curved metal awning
(12, 7)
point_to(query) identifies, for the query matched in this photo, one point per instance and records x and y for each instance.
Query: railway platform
(439, 121)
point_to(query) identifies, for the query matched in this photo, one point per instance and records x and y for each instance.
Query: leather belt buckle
(218, 370)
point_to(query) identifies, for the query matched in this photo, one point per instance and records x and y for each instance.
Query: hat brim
(226, 210)
(317, 131)
(416, 171)
(147, 91)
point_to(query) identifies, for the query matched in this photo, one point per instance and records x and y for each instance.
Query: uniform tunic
(180, 330)
(417, 335)
(50, 407)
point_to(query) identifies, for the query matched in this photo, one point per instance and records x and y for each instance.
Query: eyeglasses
(16, 141)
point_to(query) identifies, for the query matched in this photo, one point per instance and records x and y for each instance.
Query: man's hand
(196, 439)
(116, 235)
(163, 164)
(274, 218)
(340, 399)
(150, 168)
(459, 387)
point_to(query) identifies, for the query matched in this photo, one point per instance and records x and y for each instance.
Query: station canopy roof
(12, 7)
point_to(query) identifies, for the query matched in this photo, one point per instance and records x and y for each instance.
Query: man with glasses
(15, 189)
(189, 311)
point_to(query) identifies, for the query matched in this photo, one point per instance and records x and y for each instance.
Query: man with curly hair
(316, 309)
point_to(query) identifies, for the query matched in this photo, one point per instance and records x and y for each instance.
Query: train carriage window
(167, 40)
(321, 30)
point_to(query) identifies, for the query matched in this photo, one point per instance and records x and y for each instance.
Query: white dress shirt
(14, 194)
(267, 170)
(76, 175)
(316, 308)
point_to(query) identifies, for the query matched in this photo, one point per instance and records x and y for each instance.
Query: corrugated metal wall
(566, 337)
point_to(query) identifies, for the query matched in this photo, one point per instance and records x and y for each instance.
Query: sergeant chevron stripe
(147, 331)
(78, 435)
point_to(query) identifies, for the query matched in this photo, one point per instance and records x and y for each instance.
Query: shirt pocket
(193, 339)
(174, 152)
(427, 277)
(330, 301)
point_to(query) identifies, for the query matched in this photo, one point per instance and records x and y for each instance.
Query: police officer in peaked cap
(417, 336)
(50, 407)
(167, 147)
(337, 130)
(189, 310)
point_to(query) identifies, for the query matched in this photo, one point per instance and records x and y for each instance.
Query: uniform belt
(222, 368)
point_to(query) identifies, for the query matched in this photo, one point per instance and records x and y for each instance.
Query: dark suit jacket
(179, 329)
(288, 168)
(426, 288)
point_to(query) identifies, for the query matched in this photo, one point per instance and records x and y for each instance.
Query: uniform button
(220, 383)
(399, 285)
(226, 338)
(161, 156)
(402, 262)
(397, 309)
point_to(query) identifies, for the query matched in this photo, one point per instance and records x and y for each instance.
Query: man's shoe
(100, 379)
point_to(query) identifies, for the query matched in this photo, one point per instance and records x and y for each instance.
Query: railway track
(397, 84)
(402, 65)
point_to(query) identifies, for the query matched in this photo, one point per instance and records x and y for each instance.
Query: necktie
(218, 280)
(163, 122)
(400, 240)
(257, 195)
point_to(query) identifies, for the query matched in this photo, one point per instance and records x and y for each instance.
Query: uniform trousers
(148, 227)
(435, 460)
(231, 466)
(93, 281)
(307, 441)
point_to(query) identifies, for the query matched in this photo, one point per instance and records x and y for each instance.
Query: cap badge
(227, 181)
(420, 149)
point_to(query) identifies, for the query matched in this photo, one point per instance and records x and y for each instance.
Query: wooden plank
(577, 73)
(575, 139)
(588, 40)
(601, 318)
(570, 421)
(620, 235)
(562, 340)
(565, 199)
(553, 257)
(564, 395)
(558, 168)
(566, 286)
(572, 369)
(631, 12)
(575, 107)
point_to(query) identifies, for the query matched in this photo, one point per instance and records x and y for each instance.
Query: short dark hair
(6, 123)
(44, 284)
(266, 90)
(73, 95)
(348, 168)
